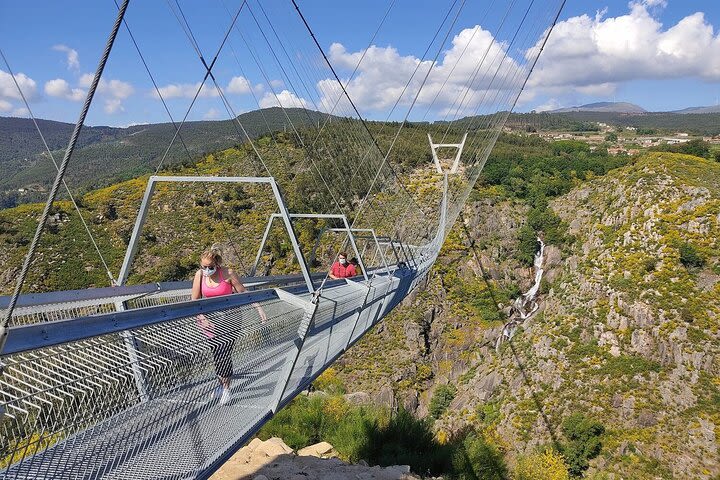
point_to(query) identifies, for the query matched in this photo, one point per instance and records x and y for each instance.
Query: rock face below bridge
(273, 459)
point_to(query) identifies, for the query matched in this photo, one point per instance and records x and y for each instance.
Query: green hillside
(106, 155)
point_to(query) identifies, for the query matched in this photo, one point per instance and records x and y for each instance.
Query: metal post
(293, 238)
(135, 237)
(262, 245)
(132, 349)
(305, 325)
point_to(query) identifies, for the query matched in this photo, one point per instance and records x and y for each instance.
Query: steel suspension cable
(417, 67)
(61, 173)
(470, 82)
(317, 44)
(417, 95)
(548, 31)
(287, 76)
(178, 135)
(292, 125)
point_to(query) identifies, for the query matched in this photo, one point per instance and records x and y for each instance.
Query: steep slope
(627, 333)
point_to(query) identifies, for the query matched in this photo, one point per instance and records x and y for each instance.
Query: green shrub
(477, 459)
(690, 257)
(583, 442)
(440, 401)
(407, 440)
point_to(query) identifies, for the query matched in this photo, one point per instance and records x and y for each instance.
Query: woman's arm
(235, 282)
(196, 293)
(204, 323)
(239, 288)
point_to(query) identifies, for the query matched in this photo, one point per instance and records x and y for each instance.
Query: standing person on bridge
(212, 280)
(342, 268)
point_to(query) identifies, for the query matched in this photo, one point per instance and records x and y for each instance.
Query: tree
(583, 442)
(528, 245)
(441, 399)
(690, 257)
(611, 137)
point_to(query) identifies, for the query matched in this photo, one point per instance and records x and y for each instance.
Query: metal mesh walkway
(76, 410)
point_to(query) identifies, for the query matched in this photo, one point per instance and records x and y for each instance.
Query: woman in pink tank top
(213, 280)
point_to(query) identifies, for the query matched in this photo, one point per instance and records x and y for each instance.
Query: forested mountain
(106, 155)
(656, 122)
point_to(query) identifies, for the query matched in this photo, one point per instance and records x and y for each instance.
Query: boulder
(322, 449)
(273, 447)
(358, 398)
(411, 401)
(385, 397)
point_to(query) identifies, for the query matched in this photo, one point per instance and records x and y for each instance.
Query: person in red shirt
(342, 268)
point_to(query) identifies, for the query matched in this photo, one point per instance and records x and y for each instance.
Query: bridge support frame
(316, 216)
(456, 160)
(145, 205)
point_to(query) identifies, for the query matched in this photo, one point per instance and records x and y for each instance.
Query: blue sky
(659, 54)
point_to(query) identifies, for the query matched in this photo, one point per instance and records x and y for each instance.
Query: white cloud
(186, 90)
(86, 80)
(21, 112)
(5, 106)
(468, 74)
(239, 85)
(594, 55)
(212, 114)
(73, 59)
(551, 104)
(113, 92)
(61, 89)
(276, 84)
(113, 105)
(8, 90)
(112, 88)
(286, 98)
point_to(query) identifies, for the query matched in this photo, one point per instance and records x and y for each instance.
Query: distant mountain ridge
(108, 154)
(631, 108)
(614, 107)
(711, 109)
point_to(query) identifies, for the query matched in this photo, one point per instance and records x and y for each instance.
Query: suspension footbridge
(119, 381)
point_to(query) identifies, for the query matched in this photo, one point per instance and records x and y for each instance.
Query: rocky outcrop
(273, 459)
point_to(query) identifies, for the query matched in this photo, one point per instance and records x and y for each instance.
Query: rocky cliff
(627, 333)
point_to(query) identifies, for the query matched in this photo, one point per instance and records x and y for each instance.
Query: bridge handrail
(46, 334)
